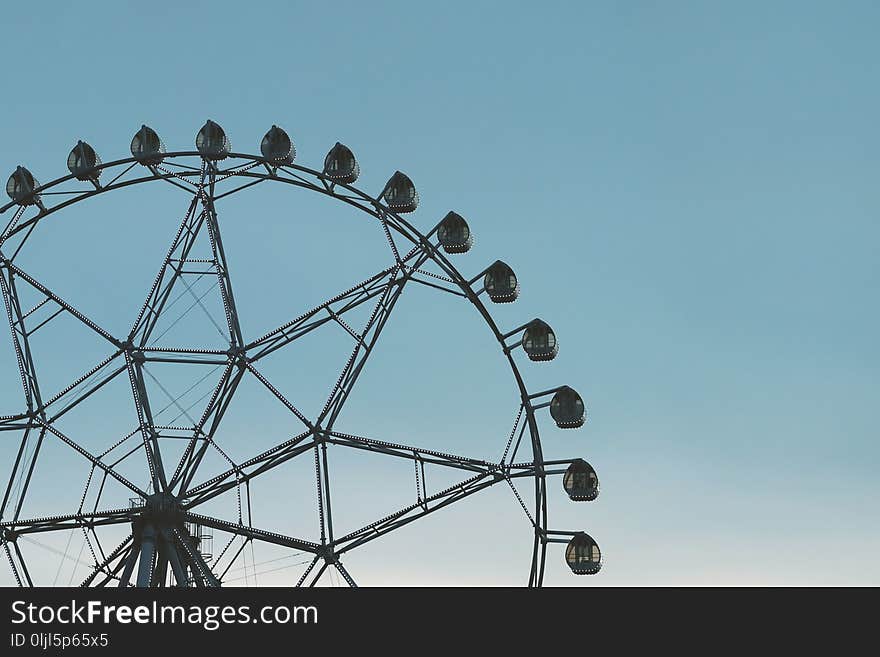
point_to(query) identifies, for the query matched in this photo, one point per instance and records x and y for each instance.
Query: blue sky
(686, 191)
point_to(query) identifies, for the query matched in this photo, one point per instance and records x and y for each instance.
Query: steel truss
(160, 548)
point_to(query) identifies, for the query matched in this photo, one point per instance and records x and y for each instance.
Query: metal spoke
(95, 461)
(366, 341)
(417, 454)
(30, 471)
(270, 570)
(83, 379)
(20, 342)
(305, 575)
(21, 562)
(70, 521)
(12, 488)
(12, 565)
(145, 421)
(319, 483)
(162, 287)
(259, 464)
(414, 512)
(345, 574)
(319, 573)
(101, 567)
(255, 534)
(13, 222)
(61, 302)
(207, 199)
(293, 409)
(200, 569)
(520, 500)
(290, 331)
(88, 392)
(217, 407)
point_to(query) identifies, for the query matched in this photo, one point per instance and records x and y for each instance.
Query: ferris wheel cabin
(146, 147)
(82, 162)
(583, 555)
(539, 341)
(20, 187)
(340, 165)
(277, 147)
(580, 482)
(212, 142)
(455, 234)
(567, 409)
(400, 194)
(500, 283)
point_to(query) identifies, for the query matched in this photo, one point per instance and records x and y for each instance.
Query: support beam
(147, 557)
(130, 561)
(177, 566)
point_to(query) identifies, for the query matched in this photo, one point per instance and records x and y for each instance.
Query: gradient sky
(686, 190)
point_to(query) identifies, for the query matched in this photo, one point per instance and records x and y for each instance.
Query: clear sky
(686, 190)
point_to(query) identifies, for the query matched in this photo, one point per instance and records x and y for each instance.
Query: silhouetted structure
(170, 542)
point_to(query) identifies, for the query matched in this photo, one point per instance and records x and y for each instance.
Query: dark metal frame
(159, 518)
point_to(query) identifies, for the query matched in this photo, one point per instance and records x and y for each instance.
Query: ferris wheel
(148, 490)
